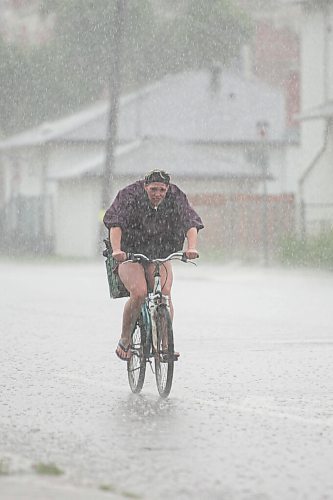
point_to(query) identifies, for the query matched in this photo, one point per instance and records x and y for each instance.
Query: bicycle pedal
(165, 357)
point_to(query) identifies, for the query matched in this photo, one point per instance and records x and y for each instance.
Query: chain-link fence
(27, 225)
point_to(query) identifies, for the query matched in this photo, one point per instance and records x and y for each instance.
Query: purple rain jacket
(145, 229)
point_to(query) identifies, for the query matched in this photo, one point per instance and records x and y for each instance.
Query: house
(219, 134)
(22, 23)
(275, 49)
(315, 193)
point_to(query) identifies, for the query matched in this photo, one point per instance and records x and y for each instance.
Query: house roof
(181, 107)
(314, 3)
(260, 5)
(196, 162)
(324, 110)
(287, 2)
(91, 166)
(292, 1)
(184, 107)
(52, 131)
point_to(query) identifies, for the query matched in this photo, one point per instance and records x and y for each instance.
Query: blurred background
(233, 97)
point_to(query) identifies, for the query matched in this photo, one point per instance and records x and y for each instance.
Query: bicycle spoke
(144, 343)
(136, 365)
(164, 357)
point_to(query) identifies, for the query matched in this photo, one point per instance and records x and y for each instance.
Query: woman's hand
(119, 255)
(191, 235)
(191, 253)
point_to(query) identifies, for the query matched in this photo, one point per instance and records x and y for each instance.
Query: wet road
(250, 416)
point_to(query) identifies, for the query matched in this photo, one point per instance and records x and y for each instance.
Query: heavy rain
(233, 100)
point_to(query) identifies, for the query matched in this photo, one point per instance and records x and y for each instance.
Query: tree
(72, 70)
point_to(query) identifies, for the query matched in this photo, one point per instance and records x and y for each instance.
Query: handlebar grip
(185, 259)
(130, 256)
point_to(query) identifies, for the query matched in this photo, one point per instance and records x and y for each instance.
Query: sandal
(123, 353)
(165, 356)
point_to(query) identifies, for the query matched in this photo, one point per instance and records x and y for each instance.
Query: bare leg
(133, 277)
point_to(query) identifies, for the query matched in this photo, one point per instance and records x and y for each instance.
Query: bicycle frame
(152, 336)
(155, 298)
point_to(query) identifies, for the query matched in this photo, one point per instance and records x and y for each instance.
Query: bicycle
(152, 336)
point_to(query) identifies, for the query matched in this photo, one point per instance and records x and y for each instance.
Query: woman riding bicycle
(153, 217)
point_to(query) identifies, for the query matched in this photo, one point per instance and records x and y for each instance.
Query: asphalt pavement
(250, 415)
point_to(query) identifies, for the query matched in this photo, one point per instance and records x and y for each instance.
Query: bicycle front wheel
(136, 365)
(164, 355)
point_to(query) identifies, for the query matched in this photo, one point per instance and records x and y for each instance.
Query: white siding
(316, 89)
(312, 85)
(312, 59)
(77, 218)
(23, 173)
(318, 191)
(330, 53)
(65, 155)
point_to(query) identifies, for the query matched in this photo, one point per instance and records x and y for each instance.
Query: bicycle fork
(163, 299)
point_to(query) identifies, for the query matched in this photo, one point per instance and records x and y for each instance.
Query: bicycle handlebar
(136, 257)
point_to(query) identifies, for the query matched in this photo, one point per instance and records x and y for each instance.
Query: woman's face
(156, 192)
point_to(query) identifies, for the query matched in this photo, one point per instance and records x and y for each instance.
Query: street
(250, 414)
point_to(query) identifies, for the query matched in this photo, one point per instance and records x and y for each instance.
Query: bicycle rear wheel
(164, 357)
(136, 365)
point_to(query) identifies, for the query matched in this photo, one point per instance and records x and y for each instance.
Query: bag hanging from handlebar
(116, 287)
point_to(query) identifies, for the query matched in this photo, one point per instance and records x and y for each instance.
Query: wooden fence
(244, 224)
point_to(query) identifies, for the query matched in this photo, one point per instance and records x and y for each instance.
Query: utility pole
(114, 91)
(265, 209)
(262, 128)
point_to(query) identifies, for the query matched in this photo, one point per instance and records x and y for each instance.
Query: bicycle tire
(136, 365)
(164, 356)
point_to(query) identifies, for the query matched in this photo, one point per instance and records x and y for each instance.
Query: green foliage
(4, 467)
(212, 31)
(314, 251)
(113, 489)
(12, 63)
(35, 86)
(48, 469)
(107, 487)
(73, 69)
